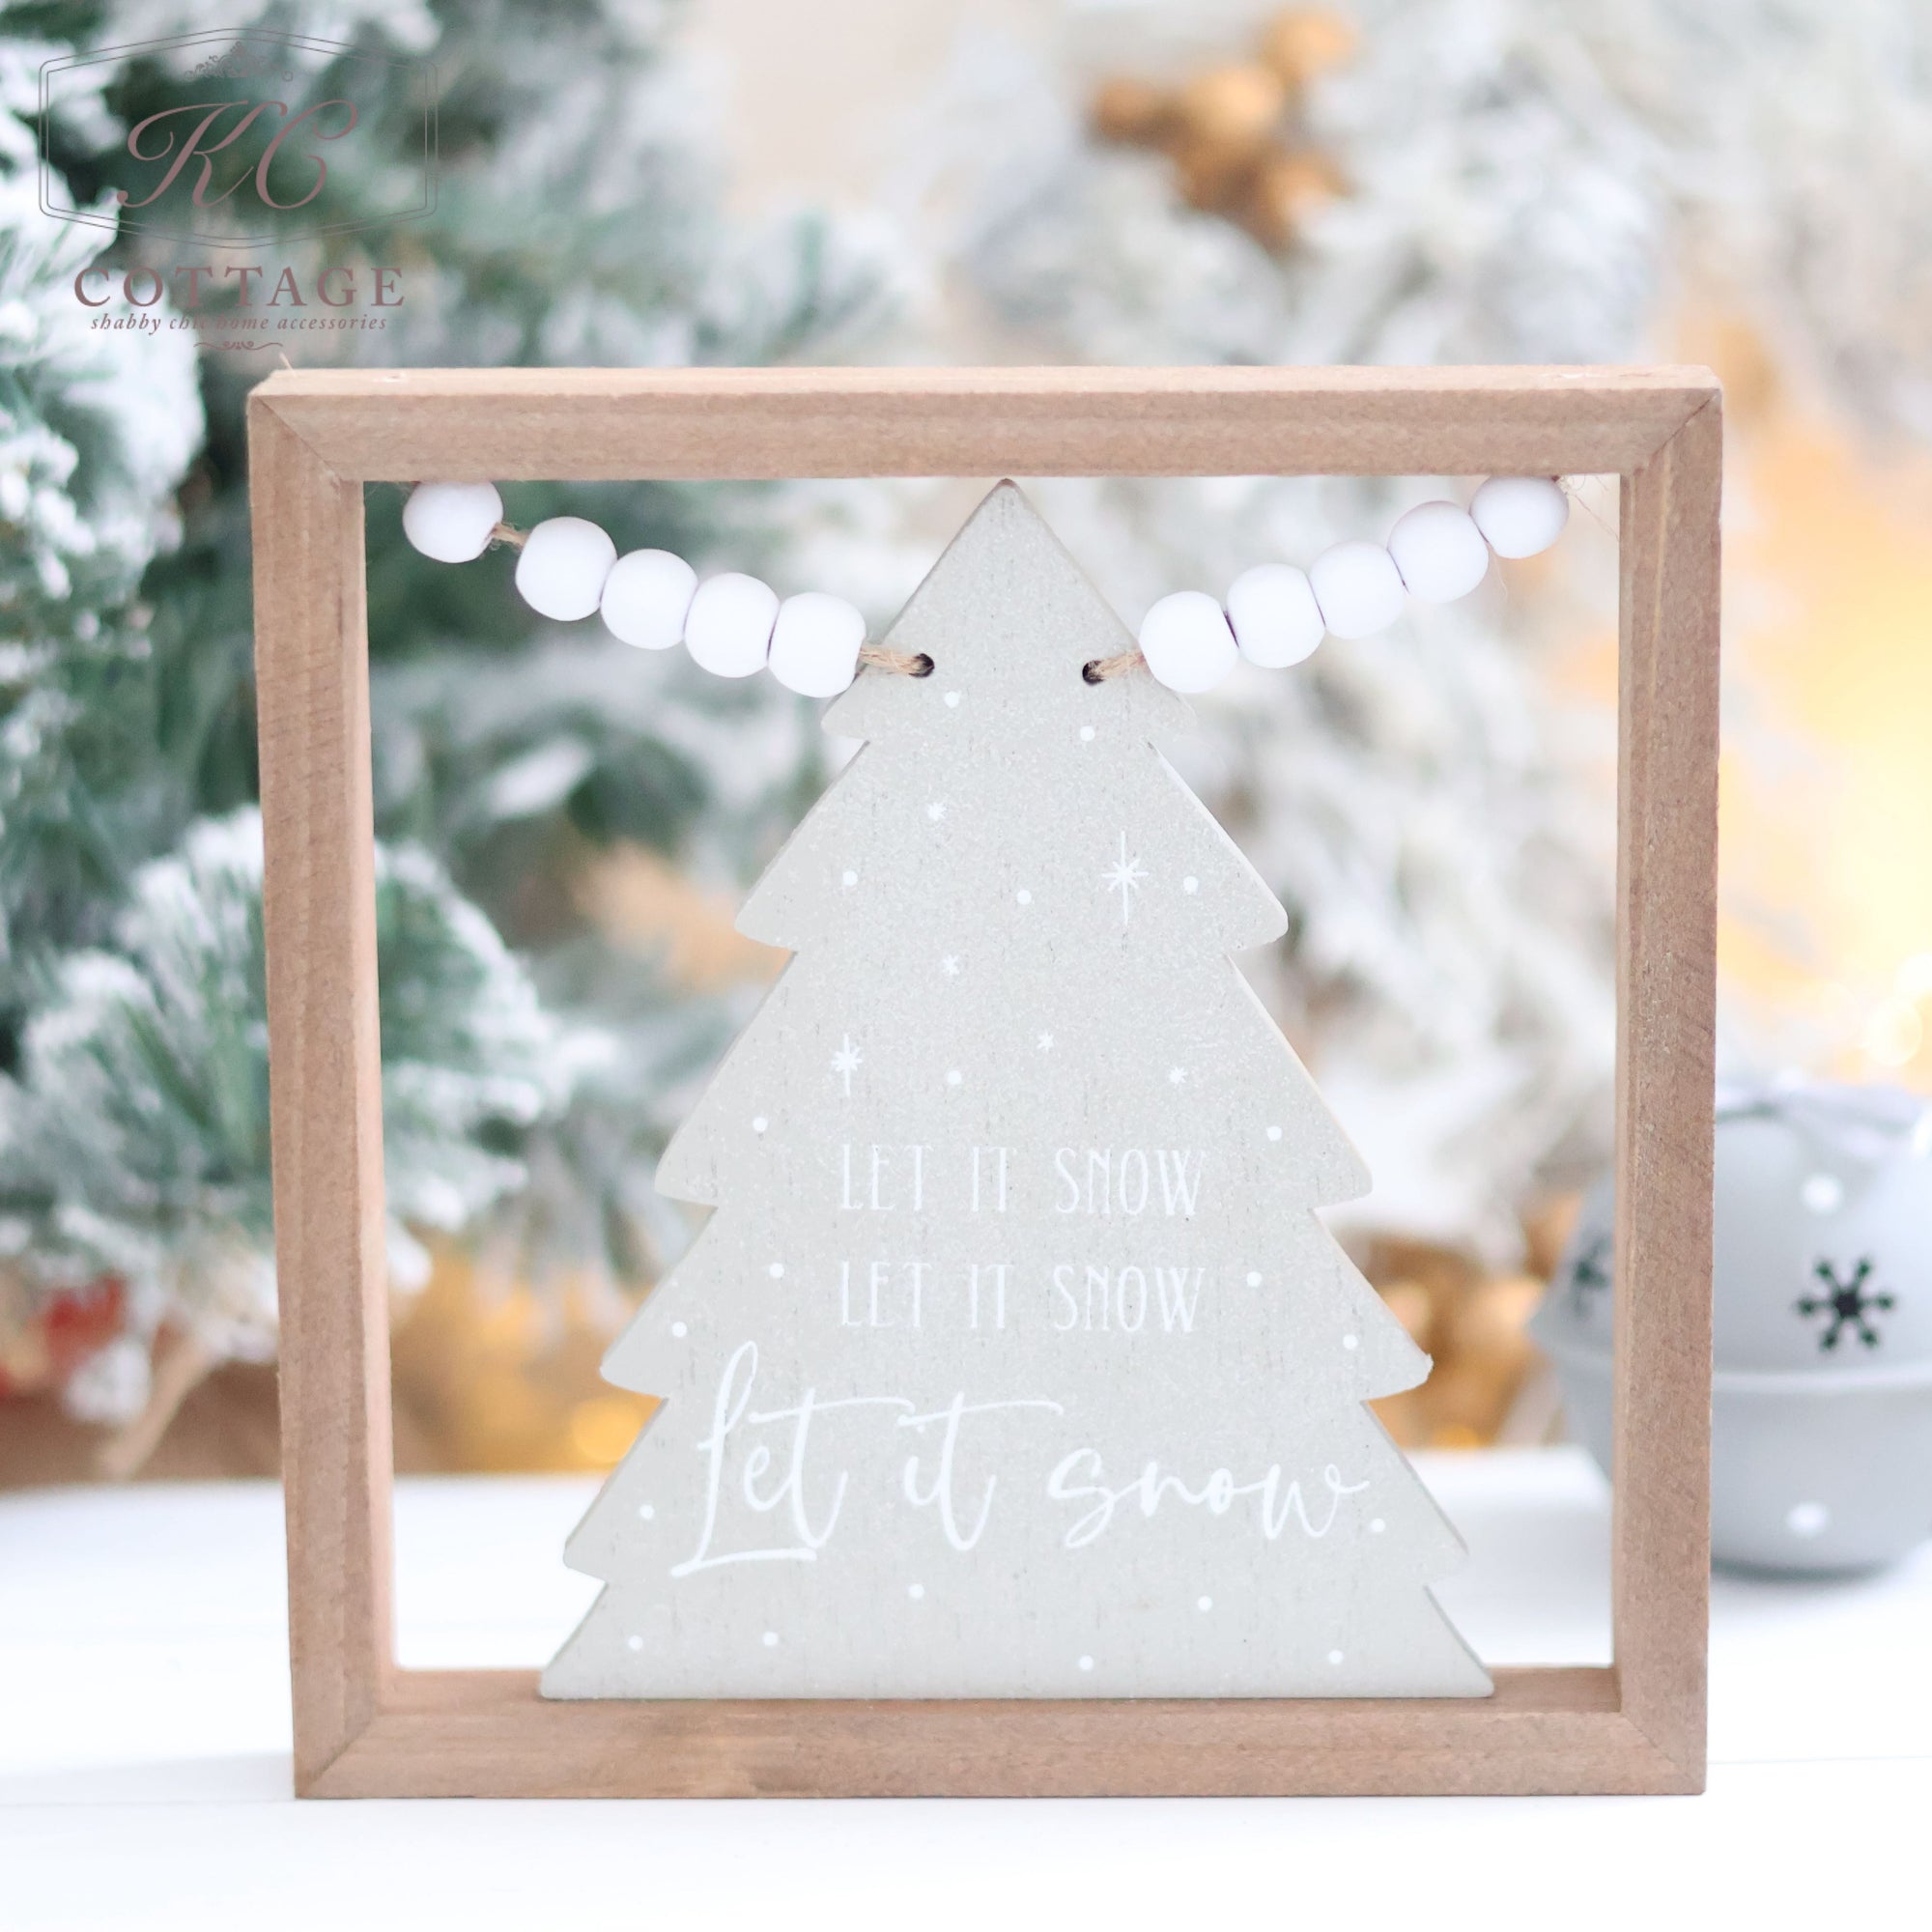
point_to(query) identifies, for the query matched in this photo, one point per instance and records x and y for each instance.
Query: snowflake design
(950, 965)
(1591, 1275)
(1045, 1042)
(1847, 1304)
(1176, 1075)
(937, 811)
(1125, 877)
(846, 1061)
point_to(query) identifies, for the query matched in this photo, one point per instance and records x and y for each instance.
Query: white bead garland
(1358, 587)
(452, 522)
(646, 598)
(1519, 516)
(734, 624)
(816, 644)
(1439, 553)
(561, 571)
(1186, 642)
(728, 628)
(1272, 611)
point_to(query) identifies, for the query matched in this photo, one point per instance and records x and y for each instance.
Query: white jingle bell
(452, 522)
(646, 598)
(1519, 516)
(1186, 642)
(1358, 587)
(1274, 614)
(816, 644)
(728, 628)
(1439, 552)
(561, 571)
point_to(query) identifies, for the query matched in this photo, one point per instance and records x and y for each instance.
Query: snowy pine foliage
(95, 434)
(577, 219)
(134, 1142)
(1528, 181)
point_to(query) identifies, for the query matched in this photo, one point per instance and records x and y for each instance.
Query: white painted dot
(1086, 1663)
(953, 700)
(1823, 1193)
(1334, 1656)
(1086, 734)
(1190, 885)
(1377, 1526)
(770, 1640)
(777, 1270)
(634, 1644)
(1254, 1279)
(759, 1123)
(678, 1329)
(647, 1510)
(1274, 1133)
(1204, 1603)
(954, 1076)
(1352, 1342)
(1024, 897)
(1809, 1519)
(916, 1591)
(848, 878)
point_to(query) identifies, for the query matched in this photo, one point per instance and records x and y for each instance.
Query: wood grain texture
(1667, 921)
(402, 425)
(487, 1734)
(364, 1728)
(312, 702)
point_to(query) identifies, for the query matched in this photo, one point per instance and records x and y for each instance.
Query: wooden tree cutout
(1016, 1361)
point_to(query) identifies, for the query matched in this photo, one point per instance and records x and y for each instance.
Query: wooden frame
(364, 1727)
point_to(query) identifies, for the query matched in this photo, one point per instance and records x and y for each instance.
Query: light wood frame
(363, 1726)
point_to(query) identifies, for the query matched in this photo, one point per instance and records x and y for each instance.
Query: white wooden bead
(816, 644)
(1521, 515)
(646, 598)
(1439, 552)
(561, 571)
(1274, 614)
(452, 522)
(1186, 642)
(728, 628)
(1357, 587)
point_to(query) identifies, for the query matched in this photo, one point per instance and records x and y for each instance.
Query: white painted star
(1124, 876)
(1045, 1042)
(950, 965)
(846, 1061)
(1176, 1075)
(937, 811)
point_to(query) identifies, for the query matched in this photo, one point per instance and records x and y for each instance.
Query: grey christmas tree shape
(1847, 1305)
(1015, 1360)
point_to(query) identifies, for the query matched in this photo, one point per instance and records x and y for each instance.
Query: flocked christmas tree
(1015, 1359)
(577, 220)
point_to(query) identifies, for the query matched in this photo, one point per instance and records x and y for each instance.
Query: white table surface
(144, 1774)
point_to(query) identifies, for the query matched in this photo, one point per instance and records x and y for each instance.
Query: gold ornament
(1232, 131)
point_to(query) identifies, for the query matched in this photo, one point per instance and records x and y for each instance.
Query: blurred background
(565, 826)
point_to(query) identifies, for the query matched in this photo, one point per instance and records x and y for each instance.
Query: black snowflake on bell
(1847, 1305)
(1590, 1275)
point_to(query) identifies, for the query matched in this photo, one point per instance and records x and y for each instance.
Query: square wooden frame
(363, 1726)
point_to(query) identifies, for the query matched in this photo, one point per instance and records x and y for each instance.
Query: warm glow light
(1914, 978)
(1893, 1033)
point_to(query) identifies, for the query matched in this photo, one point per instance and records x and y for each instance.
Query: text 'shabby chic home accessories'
(366, 1727)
